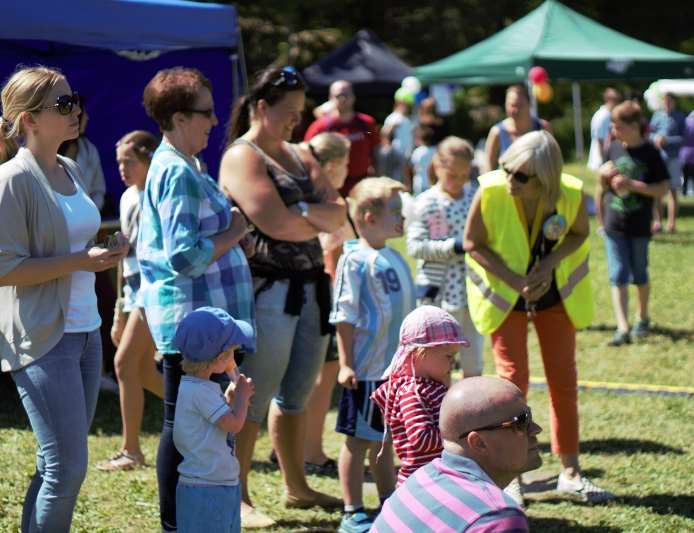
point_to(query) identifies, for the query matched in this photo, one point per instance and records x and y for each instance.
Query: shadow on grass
(673, 334)
(662, 504)
(622, 446)
(319, 525)
(552, 525)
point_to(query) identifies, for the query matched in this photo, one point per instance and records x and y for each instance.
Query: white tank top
(83, 221)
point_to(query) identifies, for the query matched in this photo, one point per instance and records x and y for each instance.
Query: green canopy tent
(568, 45)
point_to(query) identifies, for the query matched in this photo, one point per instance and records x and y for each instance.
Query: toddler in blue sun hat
(208, 494)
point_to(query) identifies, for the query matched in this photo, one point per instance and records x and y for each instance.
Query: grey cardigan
(32, 318)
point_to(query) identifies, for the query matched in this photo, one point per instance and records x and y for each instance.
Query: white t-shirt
(599, 130)
(130, 203)
(83, 219)
(207, 450)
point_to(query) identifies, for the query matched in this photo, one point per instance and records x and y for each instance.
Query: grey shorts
(289, 354)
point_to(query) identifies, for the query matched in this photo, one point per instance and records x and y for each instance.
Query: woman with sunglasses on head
(527, 261)
(49, 322)
(266, 178)
(187, 245)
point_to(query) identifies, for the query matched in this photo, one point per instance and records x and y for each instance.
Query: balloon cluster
(654, 97)
(409, 88)
(542, 90)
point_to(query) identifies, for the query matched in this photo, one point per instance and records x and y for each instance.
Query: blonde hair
(329, 146)
(455, 146)
(539, 151)
(371, 194)
(195, 367)
(22, 93)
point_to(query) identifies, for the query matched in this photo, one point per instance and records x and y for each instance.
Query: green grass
(641, 447)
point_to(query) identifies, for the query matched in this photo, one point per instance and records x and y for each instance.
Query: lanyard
(537, 220)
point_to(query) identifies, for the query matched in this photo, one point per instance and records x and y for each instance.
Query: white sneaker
(515, 491)
(583, 489)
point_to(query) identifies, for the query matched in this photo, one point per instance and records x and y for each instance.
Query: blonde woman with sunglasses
(49, 322)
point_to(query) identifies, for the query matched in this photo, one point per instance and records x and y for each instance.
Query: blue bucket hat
(208, 331)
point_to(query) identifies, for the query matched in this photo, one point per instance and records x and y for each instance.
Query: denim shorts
(627, 259)
(208, 508)
(290, 352)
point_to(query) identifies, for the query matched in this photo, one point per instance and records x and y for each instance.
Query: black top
(631, 216)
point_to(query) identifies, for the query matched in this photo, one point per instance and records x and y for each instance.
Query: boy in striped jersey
(374, 291)
(418, 379)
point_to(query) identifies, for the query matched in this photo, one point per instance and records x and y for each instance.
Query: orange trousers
(557, 337)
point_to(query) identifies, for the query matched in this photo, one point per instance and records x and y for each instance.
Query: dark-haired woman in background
(265, 177)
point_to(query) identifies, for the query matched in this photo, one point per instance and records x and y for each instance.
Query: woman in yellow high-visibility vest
(527, 260)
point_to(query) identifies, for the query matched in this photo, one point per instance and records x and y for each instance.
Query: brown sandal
(121, 461)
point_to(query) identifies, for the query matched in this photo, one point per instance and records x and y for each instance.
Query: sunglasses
(209, 113)
(288, 77)
(64, 104)
(520, 177)
(520, 422)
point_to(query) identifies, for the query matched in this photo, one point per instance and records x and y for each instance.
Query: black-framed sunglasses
(520, 422)
(520, 177)
(288, 77)
(64, 103)
(209, 113)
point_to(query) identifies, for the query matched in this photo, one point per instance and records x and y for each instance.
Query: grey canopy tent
(568, 45)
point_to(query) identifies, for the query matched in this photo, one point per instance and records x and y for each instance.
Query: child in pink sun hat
(418, 378)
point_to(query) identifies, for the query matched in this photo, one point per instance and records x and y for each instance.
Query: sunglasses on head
(64, 103)
(287, 77)
(520, 177)
(520, 422)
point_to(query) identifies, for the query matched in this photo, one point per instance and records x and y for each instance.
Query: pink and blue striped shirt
(449, 495)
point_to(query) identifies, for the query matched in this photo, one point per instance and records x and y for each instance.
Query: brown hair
(628, 111)
(371, 194)
(23, 92)
(142, 143)
(265, 87)
(170, 91)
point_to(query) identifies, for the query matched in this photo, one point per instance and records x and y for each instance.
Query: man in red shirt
(359, 128)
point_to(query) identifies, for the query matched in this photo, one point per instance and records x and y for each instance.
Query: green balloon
(403, 95)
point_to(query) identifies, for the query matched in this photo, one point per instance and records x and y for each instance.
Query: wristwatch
(303, 207)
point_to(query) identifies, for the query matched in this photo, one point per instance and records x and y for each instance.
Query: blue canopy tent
(110, 49)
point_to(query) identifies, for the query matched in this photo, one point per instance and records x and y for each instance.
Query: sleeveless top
(505, 139)
(281, 259)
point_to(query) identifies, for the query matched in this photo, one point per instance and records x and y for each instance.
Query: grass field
(639, 446)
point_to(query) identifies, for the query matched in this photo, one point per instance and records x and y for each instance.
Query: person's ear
(28, 121)
(369, 217)
(476, 442)
(261, 106)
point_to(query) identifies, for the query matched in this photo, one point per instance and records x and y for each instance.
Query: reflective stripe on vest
(496, 299)
(580, 272)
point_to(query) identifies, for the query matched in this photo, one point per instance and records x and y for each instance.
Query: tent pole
(578, 127)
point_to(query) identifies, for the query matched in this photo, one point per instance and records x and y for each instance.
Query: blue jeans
(59, 393)
(290, 352)
(627, 260)
(208, 508)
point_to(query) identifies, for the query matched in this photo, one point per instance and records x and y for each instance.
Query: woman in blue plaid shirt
(188, 247)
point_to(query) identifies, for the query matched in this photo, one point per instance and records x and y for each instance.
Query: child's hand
(347, 378)
(230, 392)
(244, 388)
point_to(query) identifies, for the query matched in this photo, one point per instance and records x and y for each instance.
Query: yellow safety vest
(490, 300)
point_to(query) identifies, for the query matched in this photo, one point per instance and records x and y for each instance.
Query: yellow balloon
(543, 92)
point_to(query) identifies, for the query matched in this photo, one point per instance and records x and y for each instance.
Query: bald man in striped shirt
(489, 438)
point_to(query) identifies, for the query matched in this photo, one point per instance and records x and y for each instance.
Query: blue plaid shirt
(181, 209)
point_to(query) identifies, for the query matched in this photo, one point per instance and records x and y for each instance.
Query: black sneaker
(620, 338)
(641, 328)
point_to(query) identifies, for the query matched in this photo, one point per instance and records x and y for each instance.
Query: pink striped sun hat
(425, 327)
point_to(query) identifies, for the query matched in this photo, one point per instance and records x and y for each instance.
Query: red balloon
(538, 75)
